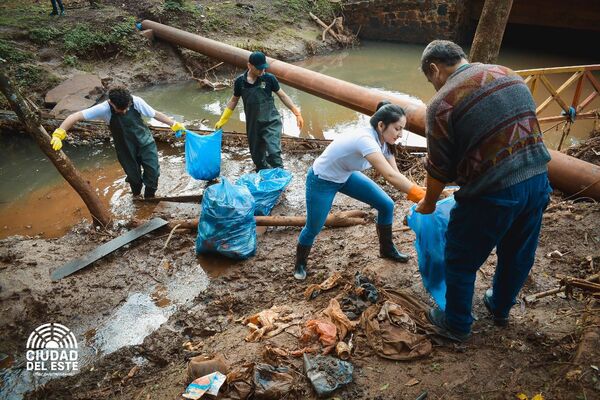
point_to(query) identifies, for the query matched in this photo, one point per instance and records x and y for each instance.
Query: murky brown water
(389, 67)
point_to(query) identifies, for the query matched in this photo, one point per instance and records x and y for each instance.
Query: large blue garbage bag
(203, 154)
(430, 230)
(266, 186)
(227, 225)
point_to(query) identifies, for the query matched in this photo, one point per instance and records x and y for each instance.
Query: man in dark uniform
(135, 146)
(263, 122)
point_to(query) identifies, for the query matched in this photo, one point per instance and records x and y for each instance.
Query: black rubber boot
(386, 245)
(149, 193)
(302, 253)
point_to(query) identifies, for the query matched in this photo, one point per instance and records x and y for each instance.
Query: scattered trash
(239, 382)
(266, 186)
(523, 396)
(327, 373)
(334, 313)
(271, 383)
(392, 333)
(369, 291)
(384, 387)
(272, 355)
(343, 350)
(422, 396)
(412, 382)
(314, 290)
(430, 243)
(207, 384)
(203, 154)
(324, 330)
(269, 323)
(200, 366)
(131, 373)
(415, 308)
(353, 306)
(227, 225)
(554, 254)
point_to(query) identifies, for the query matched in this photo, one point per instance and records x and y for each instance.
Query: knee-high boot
(386, 245)
(302, 253)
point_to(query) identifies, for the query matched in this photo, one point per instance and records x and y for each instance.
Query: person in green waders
(263, 122)
(135, 146)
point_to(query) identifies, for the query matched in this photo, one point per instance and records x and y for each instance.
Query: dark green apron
(263, 127)
(136, 149)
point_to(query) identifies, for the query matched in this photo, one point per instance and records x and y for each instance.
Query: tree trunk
(490, 30)
(340, 220)
(32, 123)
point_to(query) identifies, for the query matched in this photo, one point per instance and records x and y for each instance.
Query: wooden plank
(107, 248)
(558, 118)
(558, 70)
(587, 101)
(565, 85)
(555, 96)
(577, 94)
(533, 85)
(593, 81)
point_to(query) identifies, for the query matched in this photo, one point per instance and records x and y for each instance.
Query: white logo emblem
(52, 348)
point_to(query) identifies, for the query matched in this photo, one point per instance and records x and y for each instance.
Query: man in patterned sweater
(483, 134)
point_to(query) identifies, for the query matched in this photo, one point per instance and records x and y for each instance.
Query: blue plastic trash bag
(266, 186)
(227, 225)
(203, 154)
(430, 230)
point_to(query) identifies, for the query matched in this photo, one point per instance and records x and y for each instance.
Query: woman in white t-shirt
(338, 170)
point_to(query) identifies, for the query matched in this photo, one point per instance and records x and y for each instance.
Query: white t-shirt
(347, 153)
(102, 111)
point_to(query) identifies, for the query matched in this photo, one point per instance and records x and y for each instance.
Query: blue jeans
(510, 220)
(55, 8)
(320, 194)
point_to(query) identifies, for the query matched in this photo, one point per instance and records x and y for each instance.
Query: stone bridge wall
(411, 21)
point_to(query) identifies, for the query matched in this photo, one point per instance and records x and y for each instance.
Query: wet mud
(141, 313)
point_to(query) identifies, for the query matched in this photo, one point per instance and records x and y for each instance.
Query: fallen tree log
(339, 220)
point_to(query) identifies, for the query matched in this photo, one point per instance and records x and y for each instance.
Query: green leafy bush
(44, 35)
(10, 53)
(81, 40)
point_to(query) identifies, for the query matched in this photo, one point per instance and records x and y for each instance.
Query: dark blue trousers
(510, 220)
(55, 8)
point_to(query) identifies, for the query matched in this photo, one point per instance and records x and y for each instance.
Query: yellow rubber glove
(177, 126)
(224, 118)
(58, 136)
(415, 194)
(299, 119)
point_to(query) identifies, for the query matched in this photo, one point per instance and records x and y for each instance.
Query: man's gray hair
(442, 52)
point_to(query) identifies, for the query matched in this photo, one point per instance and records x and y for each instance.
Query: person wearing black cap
(263, 122)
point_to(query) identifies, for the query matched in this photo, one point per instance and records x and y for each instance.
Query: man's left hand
(424, 207)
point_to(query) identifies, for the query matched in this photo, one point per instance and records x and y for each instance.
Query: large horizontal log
(343, 219)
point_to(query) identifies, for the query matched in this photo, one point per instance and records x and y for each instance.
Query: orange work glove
(415, 194)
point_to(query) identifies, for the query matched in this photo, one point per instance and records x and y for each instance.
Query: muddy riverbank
(534, 355)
